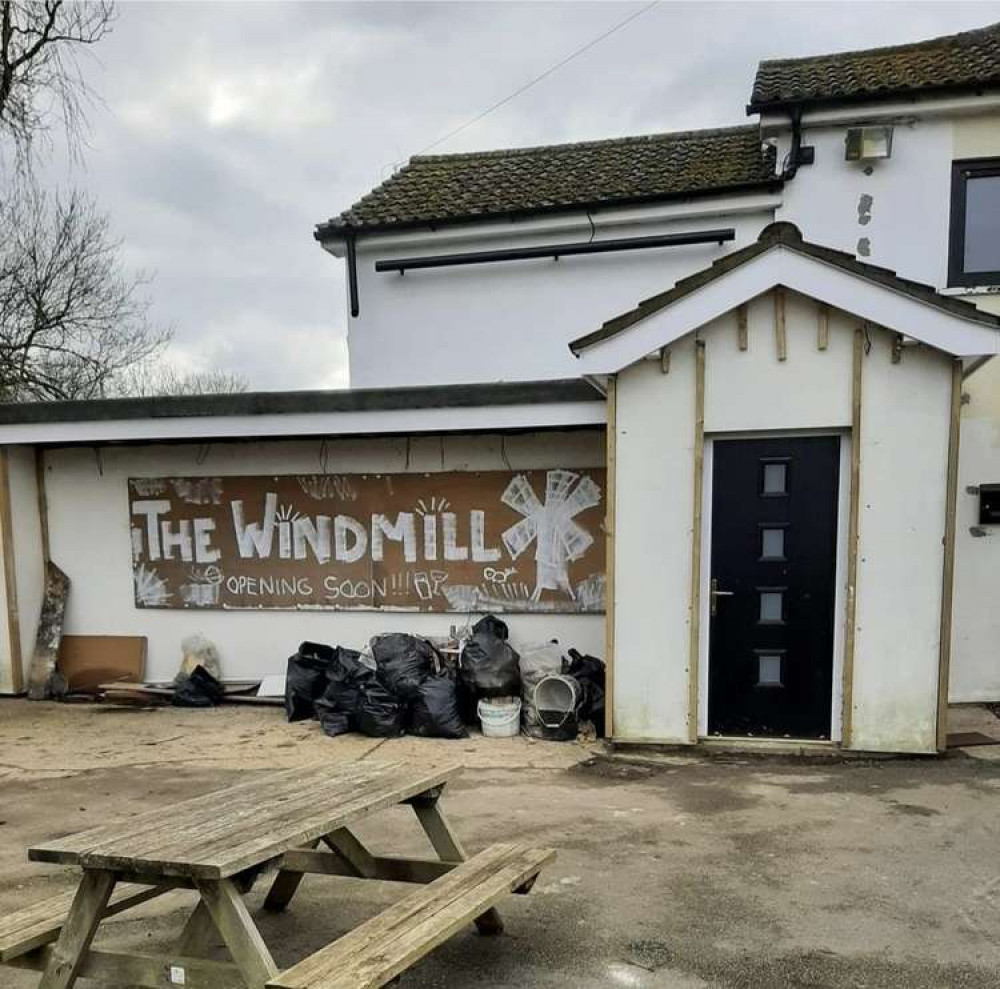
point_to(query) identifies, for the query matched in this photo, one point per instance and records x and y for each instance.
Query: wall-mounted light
(867, 143)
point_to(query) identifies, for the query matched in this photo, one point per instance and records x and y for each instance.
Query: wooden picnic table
(220, 843)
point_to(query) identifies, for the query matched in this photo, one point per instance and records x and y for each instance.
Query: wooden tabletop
(225, 832)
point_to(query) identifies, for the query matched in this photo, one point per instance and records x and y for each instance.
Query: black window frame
(961, 172)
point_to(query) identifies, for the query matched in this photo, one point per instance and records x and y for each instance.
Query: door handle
(715, 594)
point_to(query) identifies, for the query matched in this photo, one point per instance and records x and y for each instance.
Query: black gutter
(335, 229)
(302, 402)
(557, 251)
(911, 94)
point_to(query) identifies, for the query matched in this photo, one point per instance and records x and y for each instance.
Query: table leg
(284, 886)
(232, 919)
(78, 932)
(449, 849)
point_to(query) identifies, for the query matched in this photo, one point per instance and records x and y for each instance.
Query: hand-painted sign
(459, 541)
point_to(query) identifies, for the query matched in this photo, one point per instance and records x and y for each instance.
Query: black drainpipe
(350, 238)
(797, 155)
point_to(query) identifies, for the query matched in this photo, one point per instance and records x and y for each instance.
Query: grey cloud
(230, 129)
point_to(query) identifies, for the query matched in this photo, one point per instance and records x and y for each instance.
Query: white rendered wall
(653, 524)
(904, 447)
(904, 453)
(975, 656)
(513, 320)
(89, 535)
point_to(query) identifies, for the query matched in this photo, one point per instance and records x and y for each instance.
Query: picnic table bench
(292, 822)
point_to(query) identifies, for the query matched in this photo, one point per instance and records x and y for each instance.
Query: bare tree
(154, 378)
(71, 320)
(40, 77)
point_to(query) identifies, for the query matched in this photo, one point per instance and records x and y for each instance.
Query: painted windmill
(550, 525)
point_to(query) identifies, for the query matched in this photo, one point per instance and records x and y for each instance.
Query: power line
(534, 82)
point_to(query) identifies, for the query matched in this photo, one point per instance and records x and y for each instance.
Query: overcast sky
(230, 129)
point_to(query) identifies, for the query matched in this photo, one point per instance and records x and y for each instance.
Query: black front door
(774, 544)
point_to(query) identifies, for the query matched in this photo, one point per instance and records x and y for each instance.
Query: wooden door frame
(840, 571)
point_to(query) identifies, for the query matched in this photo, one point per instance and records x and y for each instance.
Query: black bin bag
(337, 708)
(199, 689)
(379, 713)
(434, 711)
(403, 662)
(589, 672)
(306, 679)
(489, 662)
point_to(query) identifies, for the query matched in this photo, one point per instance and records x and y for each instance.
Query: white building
(799, 442)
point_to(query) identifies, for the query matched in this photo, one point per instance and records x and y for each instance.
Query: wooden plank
(386, 869)
(86, 662)
(43, 502)
(699, 471)
(948, 563)
(50, 626)
(89, 904)
(387, 945)
(780, 333)
(742, 336)
(229, 831)
(239, 933)
(446, 843)
(31, 927)
(345, 844)
(853, 529)
(14, 650)
(198, 934)
(287, 881)
(822, 327)
(611, 455)
(147, 970)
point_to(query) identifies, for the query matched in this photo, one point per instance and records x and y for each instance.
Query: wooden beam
(780, 335)
(742, 337)
(699, 469)
(611, 460)
(853, 533)
(10, 577)
(665, 360)
(231, 917)
(43, 502)
(822, 327)
(64, 960)
(948, 565)
(400, 870)
(449, 849)
(153, 971)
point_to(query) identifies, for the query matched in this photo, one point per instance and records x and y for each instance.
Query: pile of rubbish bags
(402, 684)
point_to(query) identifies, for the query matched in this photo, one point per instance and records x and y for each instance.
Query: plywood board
(509, 541)
(87, 661)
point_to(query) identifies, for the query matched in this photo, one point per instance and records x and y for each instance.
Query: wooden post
(948, 567)
(611, 440)
(449, 849)
(822, 327)
(78, 932)
(43, 503)
(780, 336)
(699, 469)
(240, 934)
(853, 533)
(10, 577)
(284, 886)
(742, 337)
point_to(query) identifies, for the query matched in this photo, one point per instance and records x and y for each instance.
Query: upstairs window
(974, 252)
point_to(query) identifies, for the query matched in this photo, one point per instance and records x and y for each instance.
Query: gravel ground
(679, 871)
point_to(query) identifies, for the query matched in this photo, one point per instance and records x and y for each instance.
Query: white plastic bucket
(500, 718)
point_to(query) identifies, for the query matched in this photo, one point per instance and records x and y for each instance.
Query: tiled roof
(787, 235)
(966, 61)
(444, 188)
